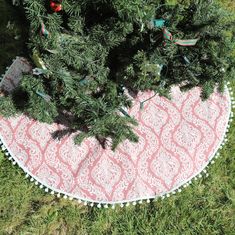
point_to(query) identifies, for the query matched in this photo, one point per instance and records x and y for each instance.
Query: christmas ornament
(44, 31)
(159, 23)
(187, 42)
(38, 61)
(56, 5)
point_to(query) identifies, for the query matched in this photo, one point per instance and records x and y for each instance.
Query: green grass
(204, 208)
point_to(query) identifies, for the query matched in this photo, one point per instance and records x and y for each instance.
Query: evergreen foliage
(96, 48)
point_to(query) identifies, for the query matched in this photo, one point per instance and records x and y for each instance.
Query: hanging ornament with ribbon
(44, 31)
(160, 23)
(56, 6)
(184, 42)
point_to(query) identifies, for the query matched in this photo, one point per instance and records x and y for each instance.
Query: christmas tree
(90, 56)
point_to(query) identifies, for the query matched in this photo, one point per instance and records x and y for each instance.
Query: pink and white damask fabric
(177, 139)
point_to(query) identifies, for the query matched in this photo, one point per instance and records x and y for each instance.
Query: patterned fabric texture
(177, 140)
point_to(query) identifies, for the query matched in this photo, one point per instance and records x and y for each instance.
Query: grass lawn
(206, 207)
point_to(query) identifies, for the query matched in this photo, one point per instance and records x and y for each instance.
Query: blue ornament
(159, 23)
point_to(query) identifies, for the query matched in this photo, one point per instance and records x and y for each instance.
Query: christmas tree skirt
(177, 140)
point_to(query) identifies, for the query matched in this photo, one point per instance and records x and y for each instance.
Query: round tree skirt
(177, 140)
